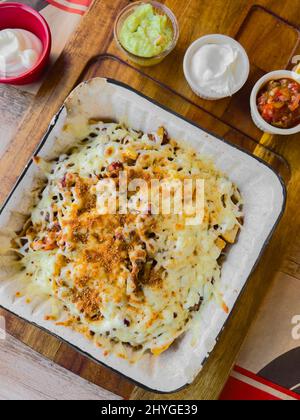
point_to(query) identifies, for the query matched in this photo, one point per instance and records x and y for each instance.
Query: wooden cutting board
(271, 43)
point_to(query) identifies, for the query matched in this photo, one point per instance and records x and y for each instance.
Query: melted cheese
(137, 278)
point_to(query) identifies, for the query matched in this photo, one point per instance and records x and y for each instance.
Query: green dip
(145, 33)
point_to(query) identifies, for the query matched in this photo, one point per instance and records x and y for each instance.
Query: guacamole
(146, 33)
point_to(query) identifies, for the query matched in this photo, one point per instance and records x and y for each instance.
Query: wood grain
(11, 115)
(25, 375)
(93, 37)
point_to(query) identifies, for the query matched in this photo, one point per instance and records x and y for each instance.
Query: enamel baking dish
(264, 201)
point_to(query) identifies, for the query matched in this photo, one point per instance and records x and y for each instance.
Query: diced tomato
(268, 112)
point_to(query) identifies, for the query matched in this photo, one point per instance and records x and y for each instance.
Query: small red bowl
(19, 16)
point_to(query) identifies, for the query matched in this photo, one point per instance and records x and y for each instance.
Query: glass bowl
(160, 9)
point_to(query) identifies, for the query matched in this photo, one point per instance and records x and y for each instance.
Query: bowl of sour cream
(216, 66)
(25, 44)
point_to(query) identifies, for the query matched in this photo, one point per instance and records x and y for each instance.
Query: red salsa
(279, 103)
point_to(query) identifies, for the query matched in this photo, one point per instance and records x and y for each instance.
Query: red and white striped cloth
(72, 6)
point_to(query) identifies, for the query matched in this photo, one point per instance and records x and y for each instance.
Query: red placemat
(268, 366)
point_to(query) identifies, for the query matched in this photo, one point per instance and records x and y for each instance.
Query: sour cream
(19, 52)
(216, 66)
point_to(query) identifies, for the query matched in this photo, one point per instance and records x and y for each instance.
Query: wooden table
(196, 18)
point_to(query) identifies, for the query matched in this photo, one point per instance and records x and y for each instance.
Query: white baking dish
(264, 195)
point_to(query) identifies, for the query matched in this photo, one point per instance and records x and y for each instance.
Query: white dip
(214, 68)
(19, 52)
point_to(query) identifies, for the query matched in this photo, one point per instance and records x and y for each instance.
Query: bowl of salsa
(146, 32)
(275, 103)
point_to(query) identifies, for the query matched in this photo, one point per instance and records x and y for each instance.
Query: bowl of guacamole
(146, 32)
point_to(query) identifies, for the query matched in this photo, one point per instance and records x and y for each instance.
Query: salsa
(279, 103)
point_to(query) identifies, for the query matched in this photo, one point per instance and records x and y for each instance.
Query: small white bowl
(215, 39)
(257, 118)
